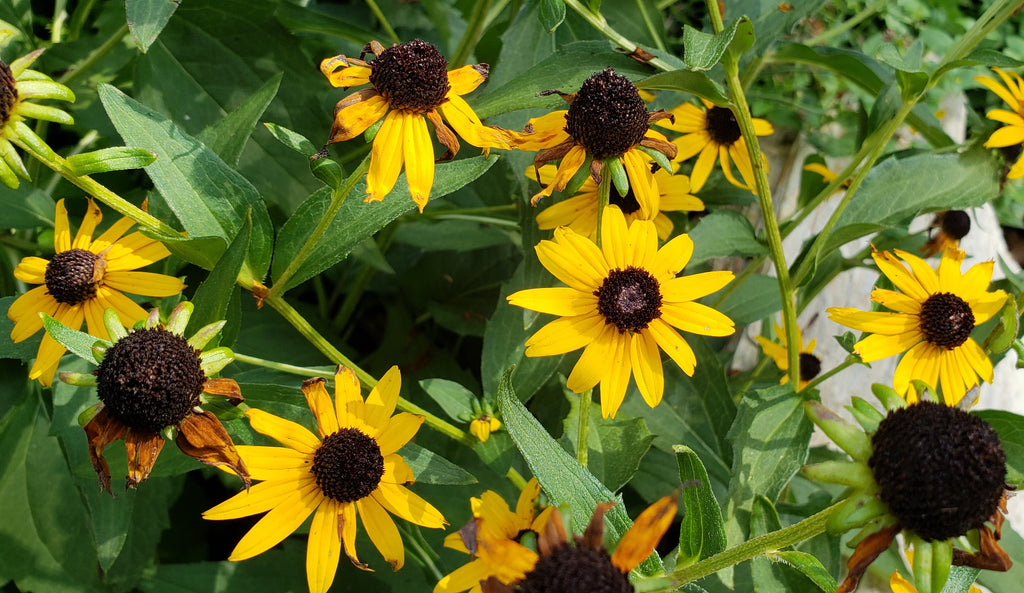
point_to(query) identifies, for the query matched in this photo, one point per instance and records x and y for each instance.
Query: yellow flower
(810, 365)
(935, 314)
(1013, 133)
(622, 302)
(411, 84)
(493, 537)
(580, 211)
(151, 380)
(351, 470)
(712, 132)
(482, 426)
(607, 122)
(84, 278)
(18, 87)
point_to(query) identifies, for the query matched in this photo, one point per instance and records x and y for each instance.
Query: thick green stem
(83, 67)
(769, 542)
(377, 12)
(764, 198)
(474, 31)
(338, 196)
(598, 22)
(850, 361)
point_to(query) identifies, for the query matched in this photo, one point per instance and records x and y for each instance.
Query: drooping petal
(641, 539)
(702, 168)
(142, 448)
(645, 359)
(386, 156)
(404, 503)
(279, 523)
(357, 112)
(616, 376)
(382, 531)
(593, 363)
(567, 168)
(102, 430)
(922, 363)
(642, 182)
(202, 437)
(468, 126)
(323, 549)
(128, 311)
(419, 160)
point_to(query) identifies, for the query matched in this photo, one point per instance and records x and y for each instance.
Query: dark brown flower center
(348, 465)
(629, 298)
(810, 366)
(607, 116)
(71, 276)
(412, 76)
(722, 126)
(956, 224)
(150, 379)
(946, 320)
(940, 470)
(575, 570)
(8, 93)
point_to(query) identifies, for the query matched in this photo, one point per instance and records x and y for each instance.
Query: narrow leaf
(213, 295)
(77, 342)
(228, 136)
(701, 532)
(117, 158)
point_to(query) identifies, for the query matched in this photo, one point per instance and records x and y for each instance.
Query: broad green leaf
(306, 19)
(204, 252)
(704, 51)
(27, 207)
(1010, 428)
(686, 81)
(228, 136)
(146, 18)
(207, 196)
(758, 297)
(78, 343)
(213, 295)
(896, 190)
(117, 158)
(615, 445)
(701, 532)
(356, 220)
(552, 13)
(431, 468)
(909, 75)
(724, 233)
(454, 399)
(8, 349)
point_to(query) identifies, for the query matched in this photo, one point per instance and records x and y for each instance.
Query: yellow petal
(274, 463)
(128, 311)
(900, 276)
(688, 118)
(28, 322)
(879, 322)
(922, 363)
(642, 182)
(133, 252)
(386, 156)
(279, 523)
(574, 260)
(319, 402)
(672, 258)
(922, 271)
(879, 346)
(695, 286)
(616, 378)
(396, 470)
(697, 319)
(94, 319)
(400, 430)
(467, 125)
(84, 235)
(1005, 136)
(50, 351)
(977, 359)
(689, 146)
(347, 529)
(259, 498)
(61, 229)
(381, 401)
(546, 131)
(555, 301)
(31, 270)
(641, 539)
(358, 112)
(464, 578)
(565, 335)
(144, 283)
(346, 395)
(896, 301)
(645, 359)
(323, 549)
(382, 531)
(567, 168)
(419, 160)
(1006, 117)
(673, 345)
(464, 80)
(998, 89)
(402, 502)
(286, 432)
(111, 235)
(702, 168)
(594, 362)
(776, 352)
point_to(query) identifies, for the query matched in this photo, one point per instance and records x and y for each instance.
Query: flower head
(580, 211)
(352, 469)
(483, 425)
(622, 302)
(19, 86)
(933, 472)
(714, 134)
(493, 537)
(936, 310)
(810, 365)
(151, 382)
(1012, 134)
(608, 122)
(83, 278)
(410, 84)
(953, 225)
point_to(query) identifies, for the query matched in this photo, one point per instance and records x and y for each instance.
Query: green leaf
(757, 298)
(701, 532)
(116, 158)
(552, 13)
(454, 399)
(809, 566)
(8, 349)
(1010, 428)
(292, 139)
(27, 207)
(77, 342)
(724, 233)
(356, 220)
(208, 197)
(686, 81)
(897, 190)
(431, 468)
(704, 51)
(146, 18)
(615, 445)
(305, 19)
(204, 252)
(228, 136)
(212, 297)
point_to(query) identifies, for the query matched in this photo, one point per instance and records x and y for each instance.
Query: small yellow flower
(482, 426)
(411, 85)
(84, 278)
(713, 133)
(935, 312)
(1013, 133)
(19, 86)
(623, 301)
(810, 365)
(352, 469)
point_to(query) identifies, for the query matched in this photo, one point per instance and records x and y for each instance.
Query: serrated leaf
(147, 18)
(116, 158)
(701, 532)
(77, 342)
(228, 136)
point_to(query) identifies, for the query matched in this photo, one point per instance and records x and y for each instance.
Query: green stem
(383, 21)
(95, 56)
(603, 198)
(470, 211)
(280, 366)
(82, 11)
(309, 332)
(986, 23)
(641, 7)
(850, 361)
(474, 31)
(598, 22)
(846, 25)
(516, 478)
(583, 428)
(338, 196)
(764, 198)
(769, 542)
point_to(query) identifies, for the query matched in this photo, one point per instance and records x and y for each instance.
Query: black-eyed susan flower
(1012, 134)
(810, 364)
(935, 313)
(493, 537)
(83, 278)
(19, 86)
(953, 225)
(623, 301)
(713, 133)
(352, 469)
(580, 211)
(608, 123)
(151, 383)
(933, 472)
(411, 85)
